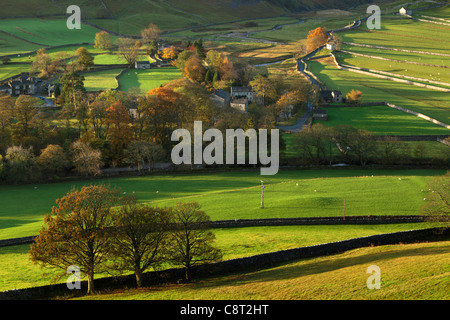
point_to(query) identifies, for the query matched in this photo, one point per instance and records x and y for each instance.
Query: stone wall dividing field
(246, 264)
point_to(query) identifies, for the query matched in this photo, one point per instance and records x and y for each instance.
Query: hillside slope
(131, 16)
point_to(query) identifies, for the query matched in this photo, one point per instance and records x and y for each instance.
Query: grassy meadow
(382, 120)
(408, 272)
(234, 243)
(434, 104)
(145, 80)
(237, 195)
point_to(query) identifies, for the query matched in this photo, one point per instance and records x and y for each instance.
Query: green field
(403, 34)
(234, 243)
(237, 195)
(408, 272)
(101, 80)
(436, 74)
(48, 32)
(145, 80)
(434, 104)
(382, 120)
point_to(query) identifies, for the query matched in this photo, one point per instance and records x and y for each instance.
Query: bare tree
(191, 239)
(128, 49)
(437, 206)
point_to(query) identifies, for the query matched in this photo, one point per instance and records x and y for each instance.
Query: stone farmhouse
(220, 98)
(21, 85)
(142, 65)
(243, 92)
(240, 104)
(331, 96)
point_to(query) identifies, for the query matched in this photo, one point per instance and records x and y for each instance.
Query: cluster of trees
(84, 230)
(319, 144)
(45, 66)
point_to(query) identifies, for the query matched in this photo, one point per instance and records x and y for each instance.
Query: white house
(331, 46)
(405, 12)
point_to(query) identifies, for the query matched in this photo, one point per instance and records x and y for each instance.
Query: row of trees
(324, 145)
(100, 231)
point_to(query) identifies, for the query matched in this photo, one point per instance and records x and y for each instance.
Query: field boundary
(242, 223)
(245, 264)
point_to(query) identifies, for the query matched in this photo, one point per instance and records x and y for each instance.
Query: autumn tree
(163, 114)
(119, 130)
(20, 164)
(182, 58)
(84, 59)
(42, 64)
(87, 160)
(141, 153)
(141, 238)
(169, 53)
(354, 97)
(192, 242)
(53, 161)
(290, 102)
(316, 38)
(25, 113)
(152, 32)
(77, 232)
(102, 40)
(264, 87)
(6, 116)
(194, 69)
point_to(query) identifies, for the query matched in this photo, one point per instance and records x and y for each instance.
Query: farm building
(220, 98)
(405, 12)
(331, 96)
(240, 104)
(142, 65)
(243, 92)
(6, 89)
(320, 115)
(331, 46)
(23, 85)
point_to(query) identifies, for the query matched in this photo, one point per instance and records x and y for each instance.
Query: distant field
(436, 74)
(434, 104)
(408, 272)
(382, 120)
(403, 34)
(237, 195)
(145, 80)
(50, 32)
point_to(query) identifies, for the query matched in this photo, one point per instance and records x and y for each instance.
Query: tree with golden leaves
(316, 38)
(77, 233)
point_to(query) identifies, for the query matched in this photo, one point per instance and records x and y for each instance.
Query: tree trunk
(90, 279)
(188, 273)
(138, 273)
